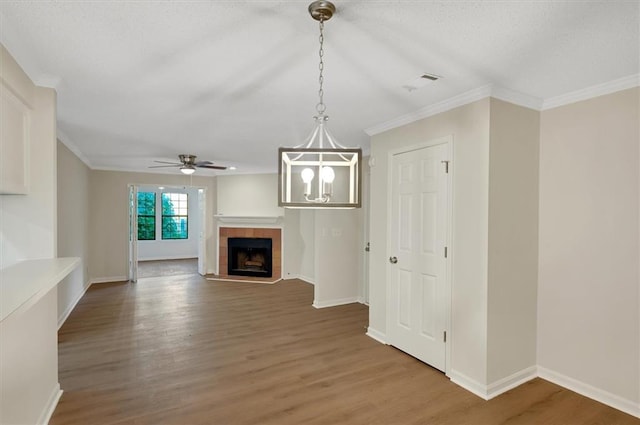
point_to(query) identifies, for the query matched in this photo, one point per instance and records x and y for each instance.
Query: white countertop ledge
(25, 283)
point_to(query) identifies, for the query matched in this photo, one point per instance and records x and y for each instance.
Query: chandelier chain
(320, 107)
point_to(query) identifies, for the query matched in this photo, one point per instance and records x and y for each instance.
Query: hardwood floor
(192, 351)
(157, 268)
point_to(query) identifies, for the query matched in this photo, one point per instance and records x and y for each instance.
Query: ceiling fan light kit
(336, 169)
(188, 164)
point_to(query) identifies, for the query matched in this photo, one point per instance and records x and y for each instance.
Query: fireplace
(249, 257)
(225, 256)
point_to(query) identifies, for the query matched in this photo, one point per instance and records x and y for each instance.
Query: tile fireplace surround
(250, 232)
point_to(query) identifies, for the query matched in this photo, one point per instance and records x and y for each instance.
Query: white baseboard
(333, 303)
(377, 335)
(110, 279)
(487, 392)
(505, 384)
(307, 279)
(173, 257)
(63, 317)
(51, 405)
(605, 397)
(468, 384)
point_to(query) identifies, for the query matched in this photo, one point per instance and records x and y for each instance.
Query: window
(174, 216)
(146, 216)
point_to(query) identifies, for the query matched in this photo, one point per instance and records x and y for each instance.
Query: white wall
(169, 249)
(469, 126)
(28, 345)
(249, 195)
(307, 246)
(513, 241)
(336, 266)
(28, 222)
(588, 290)
(73, 227)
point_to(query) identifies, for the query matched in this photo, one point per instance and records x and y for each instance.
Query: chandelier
(320, 173)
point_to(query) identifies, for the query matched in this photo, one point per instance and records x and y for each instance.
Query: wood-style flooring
(182, 350)
(157, 268)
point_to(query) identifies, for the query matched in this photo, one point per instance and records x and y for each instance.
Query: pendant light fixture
(320, 173)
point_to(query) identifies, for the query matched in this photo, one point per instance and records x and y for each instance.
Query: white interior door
(419, 292)
(133, 233)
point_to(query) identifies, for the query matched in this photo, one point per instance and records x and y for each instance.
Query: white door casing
(133, 233)
(419, 290)
(202, 233)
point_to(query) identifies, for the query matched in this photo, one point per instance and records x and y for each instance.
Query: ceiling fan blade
(201, 163)
(213, 167)
(165, 166)
(165, 162)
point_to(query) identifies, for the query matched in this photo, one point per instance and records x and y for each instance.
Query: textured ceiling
(231, 81)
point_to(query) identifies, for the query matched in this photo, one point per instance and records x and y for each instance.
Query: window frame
(174, 216)
(153, 216)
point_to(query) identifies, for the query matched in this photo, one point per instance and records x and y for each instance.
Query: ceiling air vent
(421, 81)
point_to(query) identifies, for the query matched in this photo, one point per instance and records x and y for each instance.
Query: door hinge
(444, 338)
(446, 252)
(446, 166)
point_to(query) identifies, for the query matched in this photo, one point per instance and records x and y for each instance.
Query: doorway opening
(167, 230)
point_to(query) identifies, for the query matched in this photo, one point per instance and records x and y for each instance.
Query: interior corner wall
(29, 365)
(28, 222)
(73, 226)
(292, 243)
(108, 205)
(336, 256)
(469, 126)
(588, 286)
(513, 241)
(307, 246)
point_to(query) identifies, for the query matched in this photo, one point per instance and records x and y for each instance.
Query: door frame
(132, 246)
(448, 279)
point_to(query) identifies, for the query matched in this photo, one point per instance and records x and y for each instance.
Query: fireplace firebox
(249, 257)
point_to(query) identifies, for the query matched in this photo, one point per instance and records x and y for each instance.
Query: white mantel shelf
(25, 283)
(248, 219)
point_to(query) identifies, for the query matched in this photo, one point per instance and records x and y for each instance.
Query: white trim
(307, 279)
(593, 91)
(517, 98)
(51, 405)
(65, 140)
(377, 335)
(468, 384)
(245, 221)
(427, 111)
(333, 303)
(110, 279)
(615, 401)
(174, 257)
(65, 315)
(505, 384)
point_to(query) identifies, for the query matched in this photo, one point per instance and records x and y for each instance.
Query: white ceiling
(231, 81)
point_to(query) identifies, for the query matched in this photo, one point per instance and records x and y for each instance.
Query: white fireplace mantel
(248, 220)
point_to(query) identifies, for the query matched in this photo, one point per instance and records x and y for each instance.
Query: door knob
(393, 260)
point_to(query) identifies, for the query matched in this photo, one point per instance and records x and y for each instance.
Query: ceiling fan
(188, 164)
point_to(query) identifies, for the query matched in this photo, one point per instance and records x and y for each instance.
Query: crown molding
(65, 140)
(470, 96)
(623, 83)
(517, 98)
(436, 108)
